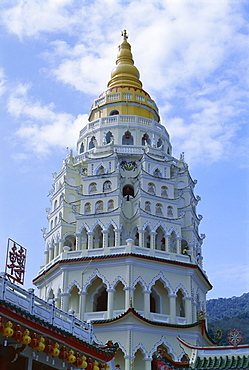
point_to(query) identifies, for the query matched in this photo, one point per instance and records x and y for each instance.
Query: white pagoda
(123, 250)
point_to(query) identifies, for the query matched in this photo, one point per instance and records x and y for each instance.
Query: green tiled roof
(222, 362)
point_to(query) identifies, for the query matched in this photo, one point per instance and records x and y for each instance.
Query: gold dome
(125, 73)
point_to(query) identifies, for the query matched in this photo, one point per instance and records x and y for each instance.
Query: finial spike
(124, 33)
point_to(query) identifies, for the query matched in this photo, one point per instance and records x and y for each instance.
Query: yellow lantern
(56, 350)
(41, 344)
(84, 363)
(95, 365)
(71, 358)
(8, 331)
(26, 338)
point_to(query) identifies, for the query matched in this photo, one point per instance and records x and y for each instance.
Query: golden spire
(125, 73)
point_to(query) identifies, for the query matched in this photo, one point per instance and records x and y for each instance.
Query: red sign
(15, 262)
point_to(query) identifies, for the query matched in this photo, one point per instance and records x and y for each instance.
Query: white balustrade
(29, 302)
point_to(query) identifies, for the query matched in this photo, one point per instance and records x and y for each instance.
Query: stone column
(188, 309)
(194, 311)
(110, 301)
(78, 242)
(56, 249)
(117, 237)
(46, 257)
(65, 301)
(51, 252)
(61, 246)
(129, 362)
(82, 307)
(166, 243)
(105, 238)
(152, 239)
(90, 239)
(141, 238)
(172, 302)
(146, 303)
(147, 363)
(129, 298)
(178, 245)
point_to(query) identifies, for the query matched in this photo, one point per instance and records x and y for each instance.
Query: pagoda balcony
(121, 119)
(28, 302)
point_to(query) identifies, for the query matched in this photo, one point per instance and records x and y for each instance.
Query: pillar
(105, 238)
(166, 243)
(129, 297)
(78, 242)
(51, 252)
(141, 238)
(90, 239)
(56, 249)
(61, 246)
(172, 303)
(178, 245)
(117, 237)
(188, 309)
(46, 257)
(65, 301)
(82, 307)
(110, 301)
(146, 303)
(152, 239)
(147, 364)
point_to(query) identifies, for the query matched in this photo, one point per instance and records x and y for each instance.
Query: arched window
(97, 237)
(51, 225)
(108, 137)
(119, 297)
(74, 300)
(114, 112)
(170, 211)
(147, 237)
(128, 190)
(100, 299)
(159, 209)
(157, 173)
(92, 142)
(151, 188)
(100, 170)
(147, 206)
(154, 301)
(138, 298)
(111, 236)
(81, 148)
(110, 205)
(180, 304)
(107, 186)
(173, 243)
(87, 208)
(159, 299)
(159, 143)
(146, 139)
(99, 206)
(184, 246)
(92, 188)
(127, 138)
(55, 204)
(160, 239)
(164, 191)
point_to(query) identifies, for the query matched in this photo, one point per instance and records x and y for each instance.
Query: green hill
(228, 314)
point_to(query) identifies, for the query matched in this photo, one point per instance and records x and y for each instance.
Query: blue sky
(193, 56)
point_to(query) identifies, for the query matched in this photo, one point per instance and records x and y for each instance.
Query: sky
(56, 57)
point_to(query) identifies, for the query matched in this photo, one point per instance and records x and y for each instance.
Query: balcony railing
(29, 302)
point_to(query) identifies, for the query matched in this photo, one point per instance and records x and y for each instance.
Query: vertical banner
(15, 262)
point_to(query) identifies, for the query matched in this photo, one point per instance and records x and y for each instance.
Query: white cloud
(42, 128)
(192, 57)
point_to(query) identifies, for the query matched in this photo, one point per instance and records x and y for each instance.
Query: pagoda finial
(125, 73)
(124, 33)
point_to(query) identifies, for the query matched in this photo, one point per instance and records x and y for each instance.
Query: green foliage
(228, 314)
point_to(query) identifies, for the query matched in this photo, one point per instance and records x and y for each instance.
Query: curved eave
(35, 324)
(140, 256)
(212, 348)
